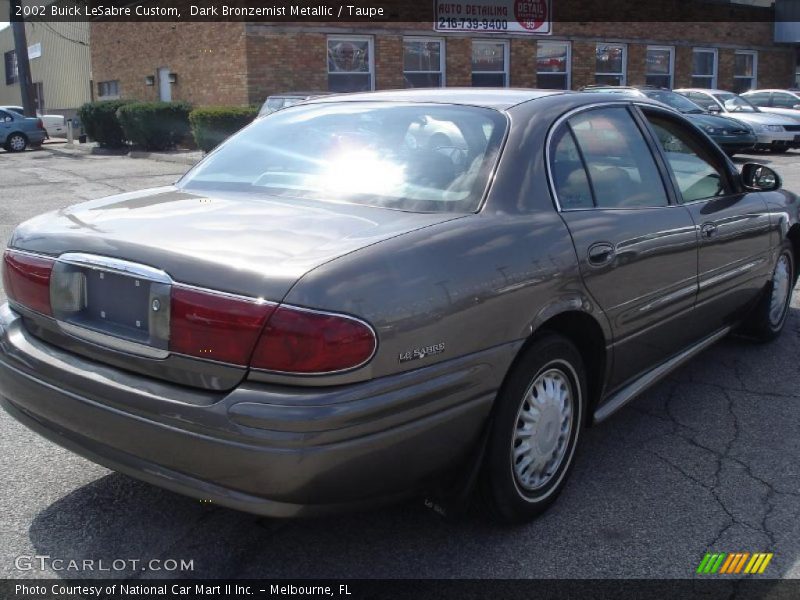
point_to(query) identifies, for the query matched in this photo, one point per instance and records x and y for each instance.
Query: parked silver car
(777, 133)
(327, 312)
(778, 102)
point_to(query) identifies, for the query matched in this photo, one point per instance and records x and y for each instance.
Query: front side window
(350, 64)
(734, 103)
(745, 70)
(423, 62)
(660, 62)
(489, 64)
(414, 157)
(553, 65)
(704, 68)
(759, 99)
(694, 167)
(12, 73)
(610, 64)
(622, 170)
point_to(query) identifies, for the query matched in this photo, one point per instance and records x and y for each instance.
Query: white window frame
(442, 55)
(506, 59)
(624, 73)
(568, 44)
(715, 64)
(671, 50)
(754, 77)
(107, 96)
(353, 38)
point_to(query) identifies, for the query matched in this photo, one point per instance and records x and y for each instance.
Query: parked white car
(778, 102)
(777, 133)
(54, 125)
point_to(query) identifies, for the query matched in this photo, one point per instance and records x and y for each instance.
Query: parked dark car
(731, 135)
(17, 132)
(325, 313)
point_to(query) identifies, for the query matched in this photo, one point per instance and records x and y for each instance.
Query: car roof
(299, 94)
(705, 90)
(770, 90)
(497, 98)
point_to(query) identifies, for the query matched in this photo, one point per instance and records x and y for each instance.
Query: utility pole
(23, 64)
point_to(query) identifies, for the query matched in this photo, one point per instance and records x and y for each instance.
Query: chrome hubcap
(542, 430)
(17, 143)
(781, 288)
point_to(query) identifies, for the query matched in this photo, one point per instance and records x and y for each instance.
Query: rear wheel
(534, 431)
(769, 316)
(16, 142)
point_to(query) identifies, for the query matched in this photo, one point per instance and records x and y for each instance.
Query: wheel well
(583, 331)
(794, 237)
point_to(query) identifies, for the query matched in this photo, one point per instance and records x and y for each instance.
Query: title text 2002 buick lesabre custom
(368, 296)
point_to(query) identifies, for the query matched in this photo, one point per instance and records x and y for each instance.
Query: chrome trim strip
(115, 265)
(671, 297)
(332, 314)
(197, 288)
(640, 384)
(114, 343)
(722, 277)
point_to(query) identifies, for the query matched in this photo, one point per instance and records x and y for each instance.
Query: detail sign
(532, 17)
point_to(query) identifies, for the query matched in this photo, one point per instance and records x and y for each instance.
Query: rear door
(637, 250)
(733, 224)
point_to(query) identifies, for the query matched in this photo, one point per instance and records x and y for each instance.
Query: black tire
(763, 324)
(506, 497)
(16, 142)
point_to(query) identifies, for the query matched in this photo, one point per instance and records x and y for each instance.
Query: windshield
(416, 157)
(676, 101)
(734, 103)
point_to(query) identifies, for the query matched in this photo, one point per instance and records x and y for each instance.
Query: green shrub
(155, 125)
(99, 120)
(212, 124)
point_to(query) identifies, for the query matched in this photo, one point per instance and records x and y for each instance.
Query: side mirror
(759, 178)
(714, 108)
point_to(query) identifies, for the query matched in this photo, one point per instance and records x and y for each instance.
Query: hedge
(213, 124)
(99, 120)
(155, 125)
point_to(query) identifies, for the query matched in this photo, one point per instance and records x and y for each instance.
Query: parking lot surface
(707, 460)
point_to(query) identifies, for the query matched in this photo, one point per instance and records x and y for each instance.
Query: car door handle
(601, 254)
(708, 229)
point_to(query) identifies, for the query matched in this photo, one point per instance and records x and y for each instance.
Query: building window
(660, 66)
(423, 62)
(489, 63)
(704, 68)
(610, 64)
(745, 70)
(553, 65)
(12, 74)
(350, 64)
(108, 89)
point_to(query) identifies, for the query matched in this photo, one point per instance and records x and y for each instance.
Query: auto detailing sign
(532, 17)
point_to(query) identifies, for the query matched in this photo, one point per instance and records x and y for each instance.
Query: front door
(164, 86)
(734, 225)
(636, 249)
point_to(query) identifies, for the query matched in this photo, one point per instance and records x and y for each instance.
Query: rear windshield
(414, 157)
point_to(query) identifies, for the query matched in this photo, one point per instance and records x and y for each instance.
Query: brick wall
(234, 63)
(208, 59)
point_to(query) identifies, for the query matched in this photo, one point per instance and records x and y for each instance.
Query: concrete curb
(184, 158)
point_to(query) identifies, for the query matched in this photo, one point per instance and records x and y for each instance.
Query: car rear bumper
(272, 450)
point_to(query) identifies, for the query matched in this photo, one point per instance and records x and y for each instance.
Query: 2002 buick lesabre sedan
(367, 296)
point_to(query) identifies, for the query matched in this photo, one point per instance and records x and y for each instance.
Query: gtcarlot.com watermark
(45, 562)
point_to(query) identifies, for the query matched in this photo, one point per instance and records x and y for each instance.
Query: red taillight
(39, 124)
(26, 279)
(215, 326)
(300, 341)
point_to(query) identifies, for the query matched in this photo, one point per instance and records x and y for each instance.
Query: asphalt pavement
(709, 460)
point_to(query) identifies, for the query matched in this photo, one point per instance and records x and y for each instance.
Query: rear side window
(572, 184)
(621, 169)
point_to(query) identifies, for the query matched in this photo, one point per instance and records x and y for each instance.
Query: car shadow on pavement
(707, 459)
